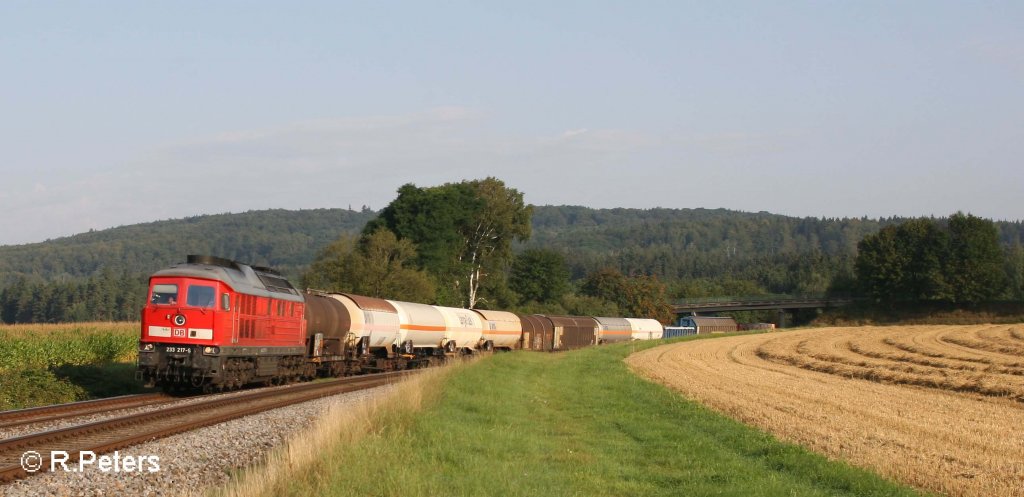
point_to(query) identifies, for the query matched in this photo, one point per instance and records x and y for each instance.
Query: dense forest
(705, 253)
(696, 252)
(286, 240)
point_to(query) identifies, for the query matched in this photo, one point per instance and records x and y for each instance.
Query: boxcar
(573, 332)
(538, 332)
(710, 324)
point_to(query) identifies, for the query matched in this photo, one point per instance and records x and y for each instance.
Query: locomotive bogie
(204, 366)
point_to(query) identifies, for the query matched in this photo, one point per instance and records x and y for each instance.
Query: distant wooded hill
(287, 240)
(778, 253)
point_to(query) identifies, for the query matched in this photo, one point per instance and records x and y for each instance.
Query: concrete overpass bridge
(779, 303)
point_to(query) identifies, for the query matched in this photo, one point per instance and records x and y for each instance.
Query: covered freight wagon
(538, 332)
(710, 324)
(574, 332)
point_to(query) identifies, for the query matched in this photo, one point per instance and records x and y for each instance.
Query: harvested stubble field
(937, 407)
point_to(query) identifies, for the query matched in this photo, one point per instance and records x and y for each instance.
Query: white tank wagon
(646, 329)
(437, 329)
(464, 327)
(502, 329)
(422, 325)
(373, 318)
(611, 330)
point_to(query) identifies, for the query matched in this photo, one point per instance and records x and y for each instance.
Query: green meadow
(567, 424)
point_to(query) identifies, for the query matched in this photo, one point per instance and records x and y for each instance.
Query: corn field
(41, 346)
(43, 364)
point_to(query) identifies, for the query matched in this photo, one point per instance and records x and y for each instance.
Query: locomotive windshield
(165, 294)
(201, 295)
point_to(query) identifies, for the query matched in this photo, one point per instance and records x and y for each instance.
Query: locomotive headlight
(211, 350)
(148, 347)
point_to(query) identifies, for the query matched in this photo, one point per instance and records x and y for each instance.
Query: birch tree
(464, 232)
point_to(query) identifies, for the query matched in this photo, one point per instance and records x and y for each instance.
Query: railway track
(62, 411)
(112, 434)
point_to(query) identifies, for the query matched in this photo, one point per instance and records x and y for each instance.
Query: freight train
(214, 324)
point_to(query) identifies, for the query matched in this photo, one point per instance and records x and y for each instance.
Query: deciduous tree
(377, 265)
(540, 275)
(463, 231)
(975, 270)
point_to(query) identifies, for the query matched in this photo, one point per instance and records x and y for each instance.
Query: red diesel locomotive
(215, 323)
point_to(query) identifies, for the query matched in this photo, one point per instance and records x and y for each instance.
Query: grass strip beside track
(577, 423)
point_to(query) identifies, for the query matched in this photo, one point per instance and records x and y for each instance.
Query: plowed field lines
(938, 407)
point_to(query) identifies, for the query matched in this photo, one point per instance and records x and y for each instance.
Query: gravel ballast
(188, 462)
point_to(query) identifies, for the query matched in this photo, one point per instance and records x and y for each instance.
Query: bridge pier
(780, 320)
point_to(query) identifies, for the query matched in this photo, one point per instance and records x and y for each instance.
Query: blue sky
(117, 113)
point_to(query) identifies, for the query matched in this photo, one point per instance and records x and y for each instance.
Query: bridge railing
(760, 298)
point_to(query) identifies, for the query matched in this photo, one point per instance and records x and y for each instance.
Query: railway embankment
(576, 423)
(188, 463)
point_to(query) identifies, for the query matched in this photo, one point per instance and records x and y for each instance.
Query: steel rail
(55, 412)
(105, 436)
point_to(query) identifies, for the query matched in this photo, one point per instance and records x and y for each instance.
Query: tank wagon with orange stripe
(216, 324)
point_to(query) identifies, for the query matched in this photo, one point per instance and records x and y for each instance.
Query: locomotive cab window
(201, 296)
(165, 294)
(225, 302)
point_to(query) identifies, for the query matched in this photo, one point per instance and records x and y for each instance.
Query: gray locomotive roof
(242, 278)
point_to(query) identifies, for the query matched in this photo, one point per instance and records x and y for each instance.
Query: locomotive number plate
(178, 350)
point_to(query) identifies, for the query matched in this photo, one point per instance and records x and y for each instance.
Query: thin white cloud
(363, 160)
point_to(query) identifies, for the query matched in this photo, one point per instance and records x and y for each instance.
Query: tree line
(959, 260)
(476, 243)
(107, 296)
